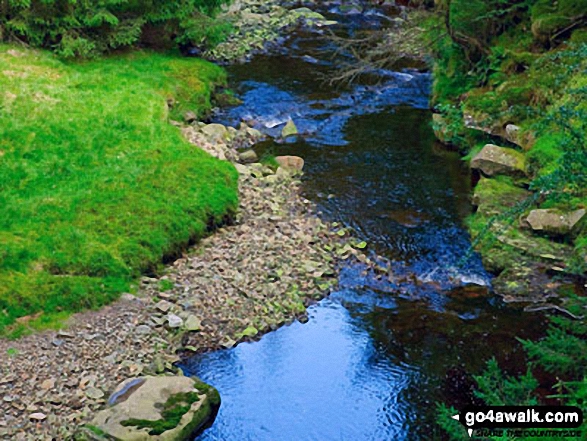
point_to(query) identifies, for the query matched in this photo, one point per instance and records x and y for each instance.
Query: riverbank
(245, 280)
(517, 115)
(242, 281)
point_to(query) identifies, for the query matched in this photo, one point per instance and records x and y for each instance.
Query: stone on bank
(493, 160)
(165, 408)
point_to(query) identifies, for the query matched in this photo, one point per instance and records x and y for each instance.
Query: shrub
(87, 27)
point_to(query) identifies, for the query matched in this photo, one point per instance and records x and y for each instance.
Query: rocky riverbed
(247, 278)
(239, 282)
(259, 26)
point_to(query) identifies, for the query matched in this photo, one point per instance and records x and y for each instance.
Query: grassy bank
(96, 186)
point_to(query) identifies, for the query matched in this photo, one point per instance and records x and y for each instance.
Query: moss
(579, 36)
(493, 196)
(173, 411)
(203, 416)
(544, 154)
(211, 392)
(96, 431)
(270, 161)
(550, 17)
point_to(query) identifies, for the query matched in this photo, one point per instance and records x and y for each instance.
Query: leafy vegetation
(96, 187)
(523, 62)
(562, 354)
(85, 28)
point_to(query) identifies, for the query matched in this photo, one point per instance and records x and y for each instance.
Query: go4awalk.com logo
(521, 421)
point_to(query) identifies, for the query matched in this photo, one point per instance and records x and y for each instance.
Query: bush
(86, 27)
(562, 353)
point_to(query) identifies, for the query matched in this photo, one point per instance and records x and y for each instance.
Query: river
(377, 355)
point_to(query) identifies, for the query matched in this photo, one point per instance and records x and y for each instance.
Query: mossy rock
(525, 282)
(289, 129)
(515, 242)
(493, 196)
(493, 160)
(550, 18)
(166, 408)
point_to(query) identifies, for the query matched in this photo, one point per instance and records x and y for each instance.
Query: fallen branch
(556, 308)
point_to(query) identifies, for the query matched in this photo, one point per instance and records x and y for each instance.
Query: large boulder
(493, 160)
(166, 408)
(554, 222)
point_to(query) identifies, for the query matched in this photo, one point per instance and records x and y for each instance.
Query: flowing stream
(378, 354)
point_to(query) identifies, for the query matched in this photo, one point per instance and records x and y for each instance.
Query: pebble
(174, 321)
(94, 393)
(143, 329)
(38, 416)
(163, 306)
(193, 323)
(48, 384)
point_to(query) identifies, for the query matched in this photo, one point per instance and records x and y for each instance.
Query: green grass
(96, 187)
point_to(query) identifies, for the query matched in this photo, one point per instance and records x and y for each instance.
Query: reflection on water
(377, 355)
(324, 380)
(364, 367)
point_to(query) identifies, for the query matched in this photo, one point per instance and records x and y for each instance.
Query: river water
(378, 354)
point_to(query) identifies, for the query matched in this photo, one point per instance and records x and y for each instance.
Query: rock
(145, 400)
(493, 160)
(248, 157)
(190, 117)
(94, 393)
(143, 329)
(174, 321)
(242, 169)
(350, 9)
(259, 170)
(38, 416)
(512, 133)
(163, 306)
(193, 323)
(327, 23)
(254, 134)
(290, 162)
(216, 132)
(64, 334)
(554, 222)
(483, 123)
(290, 129)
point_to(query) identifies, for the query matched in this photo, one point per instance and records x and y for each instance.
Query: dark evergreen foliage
(87, 27)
